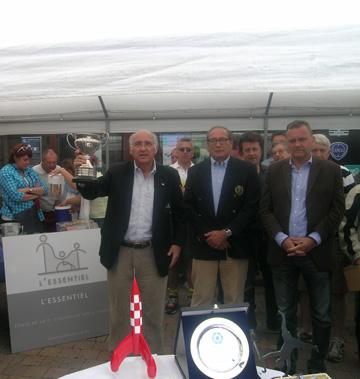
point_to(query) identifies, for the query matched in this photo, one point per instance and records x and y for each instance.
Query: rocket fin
(121, 352)
(148, 358)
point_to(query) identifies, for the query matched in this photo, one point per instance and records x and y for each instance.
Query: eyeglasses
(23, 148)
(185, 149)
(214, 141)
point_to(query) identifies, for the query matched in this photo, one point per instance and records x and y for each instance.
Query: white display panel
(56, 288)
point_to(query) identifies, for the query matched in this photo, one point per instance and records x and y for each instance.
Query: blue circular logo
(217, 338)
(338, 150)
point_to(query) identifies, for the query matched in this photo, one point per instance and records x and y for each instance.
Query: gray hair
(229, 134)
(321, 139)
(184, 139)
(153, 136)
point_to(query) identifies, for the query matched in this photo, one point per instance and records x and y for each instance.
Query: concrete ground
(54, 362)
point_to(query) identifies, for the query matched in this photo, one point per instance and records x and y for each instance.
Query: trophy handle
(69, 143)
(104, 138)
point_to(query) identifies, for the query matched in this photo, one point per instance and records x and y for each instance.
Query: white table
(135, 368)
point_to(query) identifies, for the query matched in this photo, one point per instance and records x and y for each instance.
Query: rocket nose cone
(135, 289)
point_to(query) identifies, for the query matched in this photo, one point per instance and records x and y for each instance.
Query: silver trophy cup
(87, 144)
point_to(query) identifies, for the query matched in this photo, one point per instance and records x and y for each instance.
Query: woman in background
(21, 188)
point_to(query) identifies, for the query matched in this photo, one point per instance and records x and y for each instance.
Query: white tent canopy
(184, 82)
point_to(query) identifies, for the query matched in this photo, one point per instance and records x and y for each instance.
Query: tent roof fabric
(209, 76)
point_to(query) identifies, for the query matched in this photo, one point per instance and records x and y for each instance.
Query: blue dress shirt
(298, 217)
(218, 170)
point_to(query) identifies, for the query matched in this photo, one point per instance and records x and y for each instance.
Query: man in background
(173, 155)
(251, 150)
(321, 150)
(276, 137)
(47, 203)
(235, 147)
(279, 151)
(349, 237)
(185, 154)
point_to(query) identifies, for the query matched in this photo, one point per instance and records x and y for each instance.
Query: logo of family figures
(61, 261)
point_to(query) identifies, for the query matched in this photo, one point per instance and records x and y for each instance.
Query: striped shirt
(10, 182)
(348, 179)
(349, 231)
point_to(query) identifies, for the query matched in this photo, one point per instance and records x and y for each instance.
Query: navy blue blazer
(237, 209)
(168, 212)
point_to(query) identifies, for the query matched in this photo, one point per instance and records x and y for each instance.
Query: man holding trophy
(143, 233)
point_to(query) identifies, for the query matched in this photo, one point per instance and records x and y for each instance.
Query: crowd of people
(216, 223)
(26, 191)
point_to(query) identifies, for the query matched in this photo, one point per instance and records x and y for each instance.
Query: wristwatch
(228, 232)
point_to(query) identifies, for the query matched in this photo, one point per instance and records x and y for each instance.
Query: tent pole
(266, 124)
(107, 129)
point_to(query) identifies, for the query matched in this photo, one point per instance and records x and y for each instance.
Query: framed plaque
(215, 343)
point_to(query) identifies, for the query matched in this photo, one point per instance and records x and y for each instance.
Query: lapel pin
(239, 190)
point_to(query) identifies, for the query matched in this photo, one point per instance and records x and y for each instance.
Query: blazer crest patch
(238, 190)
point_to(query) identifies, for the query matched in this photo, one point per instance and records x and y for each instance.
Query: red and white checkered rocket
(134, 342)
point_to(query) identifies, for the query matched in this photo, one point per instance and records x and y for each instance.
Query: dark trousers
(30, 221)
(357, 320)
(183, 265)
(49, 222)
(285, 279)
(258, 261)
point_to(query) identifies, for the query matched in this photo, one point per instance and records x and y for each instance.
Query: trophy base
(84, 179)
(87, 172)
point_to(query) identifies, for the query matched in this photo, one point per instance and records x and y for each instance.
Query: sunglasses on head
(23, 148)
(185, 149)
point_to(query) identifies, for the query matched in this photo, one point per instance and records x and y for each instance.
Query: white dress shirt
(47, 203)
(142, 204)
(182, 172)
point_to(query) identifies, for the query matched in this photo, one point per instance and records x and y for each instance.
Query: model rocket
(134, 343)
